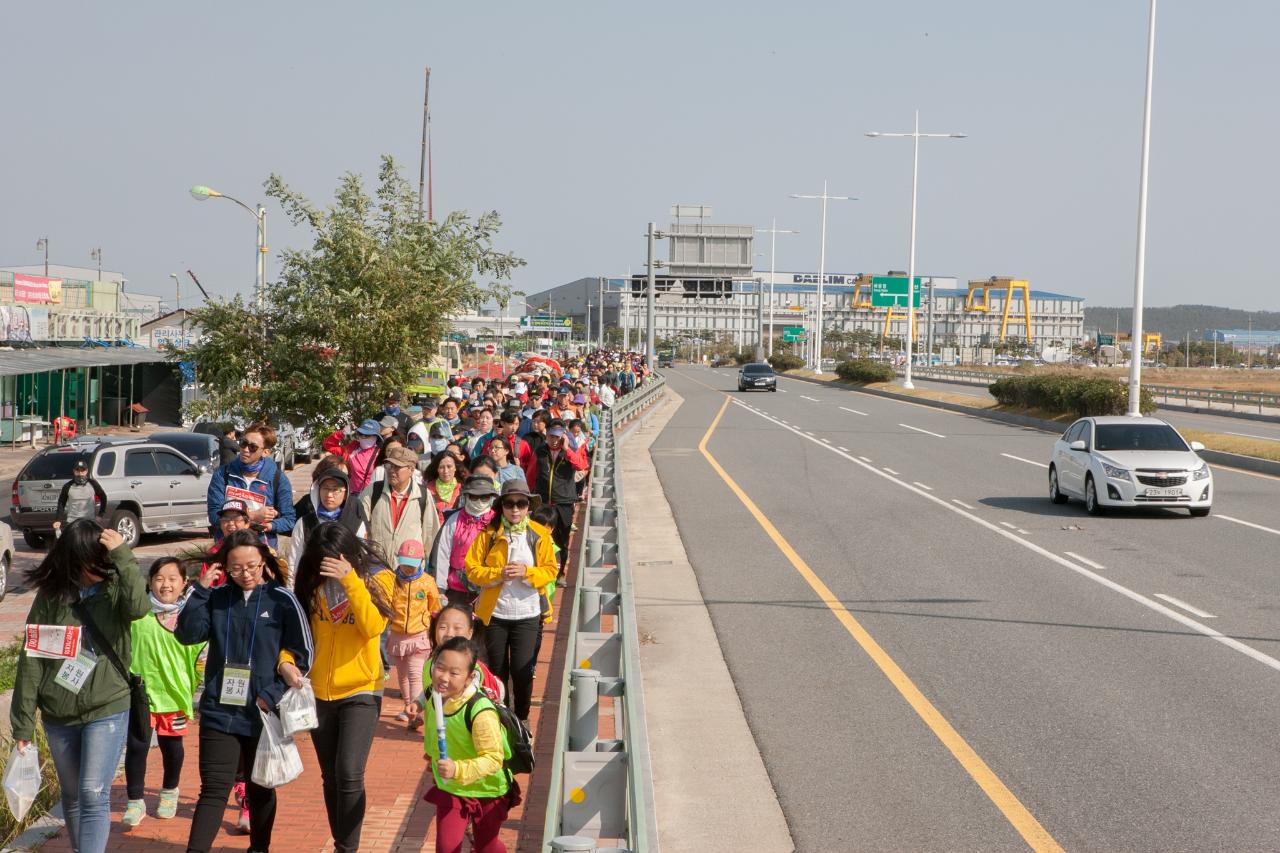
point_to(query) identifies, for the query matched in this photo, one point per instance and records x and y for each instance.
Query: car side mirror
(1078, 444)
(1197, 446)
(201, 470)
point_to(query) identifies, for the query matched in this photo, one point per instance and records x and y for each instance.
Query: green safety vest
(457, 737)
(167, 666)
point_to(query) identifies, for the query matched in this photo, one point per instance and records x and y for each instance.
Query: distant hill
(1175, 321)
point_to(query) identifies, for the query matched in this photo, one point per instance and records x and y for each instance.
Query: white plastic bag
(22, 780)
(298, 709)
(277, 761)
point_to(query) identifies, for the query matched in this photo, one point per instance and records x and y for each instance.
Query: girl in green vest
(169, 670)
(472, 786)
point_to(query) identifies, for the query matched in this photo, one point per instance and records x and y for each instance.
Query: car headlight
(1114, 472)
(1201, 473)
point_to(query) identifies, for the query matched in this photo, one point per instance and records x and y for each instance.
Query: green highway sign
(891, 291)
(1106, 340)
(791, 334)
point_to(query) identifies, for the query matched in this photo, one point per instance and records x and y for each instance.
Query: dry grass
(1235, 444)
(1244, 381)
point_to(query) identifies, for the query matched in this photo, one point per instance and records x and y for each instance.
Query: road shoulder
(706, 800)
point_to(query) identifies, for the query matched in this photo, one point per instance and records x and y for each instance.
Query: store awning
(19, 361)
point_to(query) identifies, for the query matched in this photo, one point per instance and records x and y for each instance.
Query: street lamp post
(96, 255)
(911, 265)
(822, 270)
(773, 231)
(43, 243)
(202, 193)
(1140, 267)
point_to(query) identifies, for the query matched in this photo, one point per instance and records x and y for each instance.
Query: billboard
(22, 325)
(545, 322)
(37, 289)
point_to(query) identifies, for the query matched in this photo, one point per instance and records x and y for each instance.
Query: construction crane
(1010, 286)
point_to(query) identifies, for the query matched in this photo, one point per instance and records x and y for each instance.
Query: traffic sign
(490, 349)
(791, 334)
(1106, 340)
(891, 291)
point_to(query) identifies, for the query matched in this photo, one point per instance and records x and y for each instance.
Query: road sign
(791, 334)
(1106, 340)
(490, 349)
(891, 291)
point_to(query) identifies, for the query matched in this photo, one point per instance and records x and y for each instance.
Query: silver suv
(150, 487)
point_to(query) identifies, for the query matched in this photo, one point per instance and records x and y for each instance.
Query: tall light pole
(96, 255)
(773, 231)
(177, 291)
(43, 243)
(822, 271)
(202, 193)
(1140, 267)
(649, 357)
(911, 265)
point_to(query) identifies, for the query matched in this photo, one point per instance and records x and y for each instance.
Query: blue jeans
(86, 758)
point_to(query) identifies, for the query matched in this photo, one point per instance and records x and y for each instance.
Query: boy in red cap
(415, 600)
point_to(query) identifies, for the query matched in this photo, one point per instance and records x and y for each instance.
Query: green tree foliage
(357, 314)
(864, 371)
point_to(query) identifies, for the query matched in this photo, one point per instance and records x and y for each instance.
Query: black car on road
(758, 376)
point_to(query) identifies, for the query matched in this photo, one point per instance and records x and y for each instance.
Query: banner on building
(37, 289)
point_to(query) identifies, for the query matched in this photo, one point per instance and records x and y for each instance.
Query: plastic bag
(22, 780)
(298, 709)
(277, 761)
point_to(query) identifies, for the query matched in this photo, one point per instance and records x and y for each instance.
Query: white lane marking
(1090, 563)
(845, 449)
(810, 399)
(866, 459)
(1008, 525)
(1251, 435)
(1024, 532)
(783, 390)
(891, 471)
(1194, 611)
(1136, 597)
(1249, 524)
(1028, 461)
(854, 411)
(809, 434)
(826, 441)
(962, 503)
(922, 485)
(925, 431)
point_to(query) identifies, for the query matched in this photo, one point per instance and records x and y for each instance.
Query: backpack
(516, 734)
(423, 497)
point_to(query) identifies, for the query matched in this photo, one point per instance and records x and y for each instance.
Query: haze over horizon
(581, 122)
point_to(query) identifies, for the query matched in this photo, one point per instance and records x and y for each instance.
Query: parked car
(150, 487)
(305, 447)
(757, 375)
(1129, 462)
(6, 558)
(200, 448)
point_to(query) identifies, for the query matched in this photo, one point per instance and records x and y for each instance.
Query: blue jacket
(271, 485)
(281, 624)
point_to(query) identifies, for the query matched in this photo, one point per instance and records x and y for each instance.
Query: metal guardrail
(602, 787)
(1208, 398)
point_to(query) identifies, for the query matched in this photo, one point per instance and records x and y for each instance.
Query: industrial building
(1257, 341)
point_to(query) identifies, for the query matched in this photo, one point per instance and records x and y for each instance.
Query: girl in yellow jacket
(346, 589)
(415, 600)
(511, 560)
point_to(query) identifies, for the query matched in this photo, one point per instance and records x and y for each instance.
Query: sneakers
(134, 812)
(243, 824)
(168, 803)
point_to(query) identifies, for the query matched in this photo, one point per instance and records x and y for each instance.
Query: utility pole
(760, 320)
(96, 254)
(426, 148)
(650, 304)
(600, 318)
(43, 243)
(773, 231)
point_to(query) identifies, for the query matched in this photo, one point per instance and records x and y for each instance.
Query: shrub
(864, 371)
(1066, 394)
(785, 361)
(744, 356)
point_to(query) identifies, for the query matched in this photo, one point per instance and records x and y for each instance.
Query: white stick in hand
(440, 740)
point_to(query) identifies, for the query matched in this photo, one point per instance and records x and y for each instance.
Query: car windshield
(52, 466)
(194, 445)
(1138, 437)
(757, 369)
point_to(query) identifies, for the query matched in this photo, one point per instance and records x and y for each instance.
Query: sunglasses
(250, 446)
(516, 504)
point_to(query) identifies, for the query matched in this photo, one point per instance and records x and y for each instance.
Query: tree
(355, 316)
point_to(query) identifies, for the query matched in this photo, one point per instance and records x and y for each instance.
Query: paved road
(1034, 632)
(1225, 424)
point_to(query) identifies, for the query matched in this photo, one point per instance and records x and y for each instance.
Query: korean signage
(546, 322)
(174, 335)
(891, 291)
(37, 289)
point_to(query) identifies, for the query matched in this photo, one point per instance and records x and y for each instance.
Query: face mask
(80, 479)
(478, 506)
(367, 441)
(438, 445)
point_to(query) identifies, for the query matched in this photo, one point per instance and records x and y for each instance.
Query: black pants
(342, 742)
(220, 756)
(562, 529)
(512, 647)
(135, 763)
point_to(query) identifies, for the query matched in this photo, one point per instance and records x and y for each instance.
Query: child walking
(414, 600)
(457, 620)
(169, 670)
(471, 784)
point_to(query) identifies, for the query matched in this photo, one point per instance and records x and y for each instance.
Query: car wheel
(290, 461)
(1091, 503)
(774, 388)
(4, 576)
(125, 523)
(1055, 494)
(33, 539)
(1200, 511)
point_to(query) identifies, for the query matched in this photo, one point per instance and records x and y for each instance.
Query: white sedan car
(1129, 462)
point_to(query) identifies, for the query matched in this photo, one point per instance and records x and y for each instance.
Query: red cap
(411, 552)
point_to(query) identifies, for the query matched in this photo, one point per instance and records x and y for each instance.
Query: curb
(1216, 457)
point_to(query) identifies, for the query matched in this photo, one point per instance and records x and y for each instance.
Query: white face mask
(439, 444)
(478, 506)
(367, 441)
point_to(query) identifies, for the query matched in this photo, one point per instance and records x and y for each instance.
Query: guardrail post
(589, 618)
(573, 844)
(584, 709)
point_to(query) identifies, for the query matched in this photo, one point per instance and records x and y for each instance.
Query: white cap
(455, 392)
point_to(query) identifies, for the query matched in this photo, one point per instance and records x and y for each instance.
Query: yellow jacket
(488, 555)
(347, 659)
(415, 602)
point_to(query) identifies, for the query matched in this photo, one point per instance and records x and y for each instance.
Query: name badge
(235, 686)
(75, 671)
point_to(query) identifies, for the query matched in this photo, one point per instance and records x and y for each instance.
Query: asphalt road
(1225, 424)
(1115, 718)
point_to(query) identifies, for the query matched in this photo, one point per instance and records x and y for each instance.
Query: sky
(579, 122)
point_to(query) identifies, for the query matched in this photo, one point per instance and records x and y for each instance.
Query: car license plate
(1164, 493)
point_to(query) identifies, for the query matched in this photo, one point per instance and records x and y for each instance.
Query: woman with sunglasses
(254, 478)
(249, 624)
(512, 560)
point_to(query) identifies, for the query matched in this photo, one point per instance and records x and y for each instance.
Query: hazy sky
(581, 121)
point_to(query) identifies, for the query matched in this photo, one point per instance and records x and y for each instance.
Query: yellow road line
(1010, 806)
